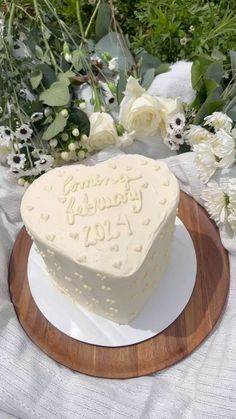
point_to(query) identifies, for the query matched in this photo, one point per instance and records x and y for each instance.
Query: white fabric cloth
(33, 386)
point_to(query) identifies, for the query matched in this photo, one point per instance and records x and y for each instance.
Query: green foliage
(179, 29)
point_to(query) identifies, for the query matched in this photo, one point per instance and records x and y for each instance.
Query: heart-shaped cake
(104, 232)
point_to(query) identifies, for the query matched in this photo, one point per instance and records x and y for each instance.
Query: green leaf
(49, 76)
(196, 74)
(233, 62)
(210, 86)
(57, 95)
(148, 78)
(65, 77)
(121, 85)
(39, 52)
(212, 103)
(114, 44)
(36, 78)
(103, 20)
(80, 119)
(76, 59)
(55, 128)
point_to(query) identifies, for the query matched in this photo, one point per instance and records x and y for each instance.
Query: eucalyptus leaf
(147, 61)
(80, 119)
(121, 85)
(233, 62)
(36, 78)
(103, 20)
(114, 44)
(232, 113)
(215, 71)
(49, 76)
(148, 78)
(57, 94)
(56, 127)
(76, 59)
(65, 77)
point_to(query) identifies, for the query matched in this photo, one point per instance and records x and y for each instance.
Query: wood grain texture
(173, 344)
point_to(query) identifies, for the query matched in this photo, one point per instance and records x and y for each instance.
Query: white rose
(139, 111)
(102, 131)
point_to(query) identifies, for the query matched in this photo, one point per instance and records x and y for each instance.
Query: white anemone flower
(44, 163)
(36, 116)
(24, 132)
(16, 161)
(216, 202)
(6, 136)
(219, 120)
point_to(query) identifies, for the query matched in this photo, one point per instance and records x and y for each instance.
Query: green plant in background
(179, 29)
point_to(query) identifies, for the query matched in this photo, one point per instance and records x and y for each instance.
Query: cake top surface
(104, 216)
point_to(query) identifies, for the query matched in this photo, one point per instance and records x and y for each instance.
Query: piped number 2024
(108, 230)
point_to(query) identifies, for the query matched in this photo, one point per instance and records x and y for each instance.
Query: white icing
(109, 231)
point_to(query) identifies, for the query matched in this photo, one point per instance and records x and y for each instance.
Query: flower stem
(38, 15)
(80, 20)
(92, 18)
(11, 17)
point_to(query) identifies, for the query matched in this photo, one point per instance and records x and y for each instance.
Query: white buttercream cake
(104, 232)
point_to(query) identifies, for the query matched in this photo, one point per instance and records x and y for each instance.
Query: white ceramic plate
(163, 307)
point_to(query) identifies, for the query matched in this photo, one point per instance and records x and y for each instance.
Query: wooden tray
(173, 344)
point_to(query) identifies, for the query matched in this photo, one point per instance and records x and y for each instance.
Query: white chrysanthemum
(205, 161)
(232, 219)
(16, 161)
(216, 202)
(196, 135)
(36, 116)
(24, 132)
(6, 136)
(219, 120)
(223, 146)
(44, 163)
(232, 191)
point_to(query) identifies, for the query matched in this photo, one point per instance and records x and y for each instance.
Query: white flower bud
(75, 132)
(53, 143)
(84, 137)
(82, 106)
(21, 181)
(72, 147)
(65, 156)
(47, 111)
(64, 113)
(64, 137)
(81, 154)
(26, 184)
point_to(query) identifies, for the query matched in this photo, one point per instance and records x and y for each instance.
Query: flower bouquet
(69, 91)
